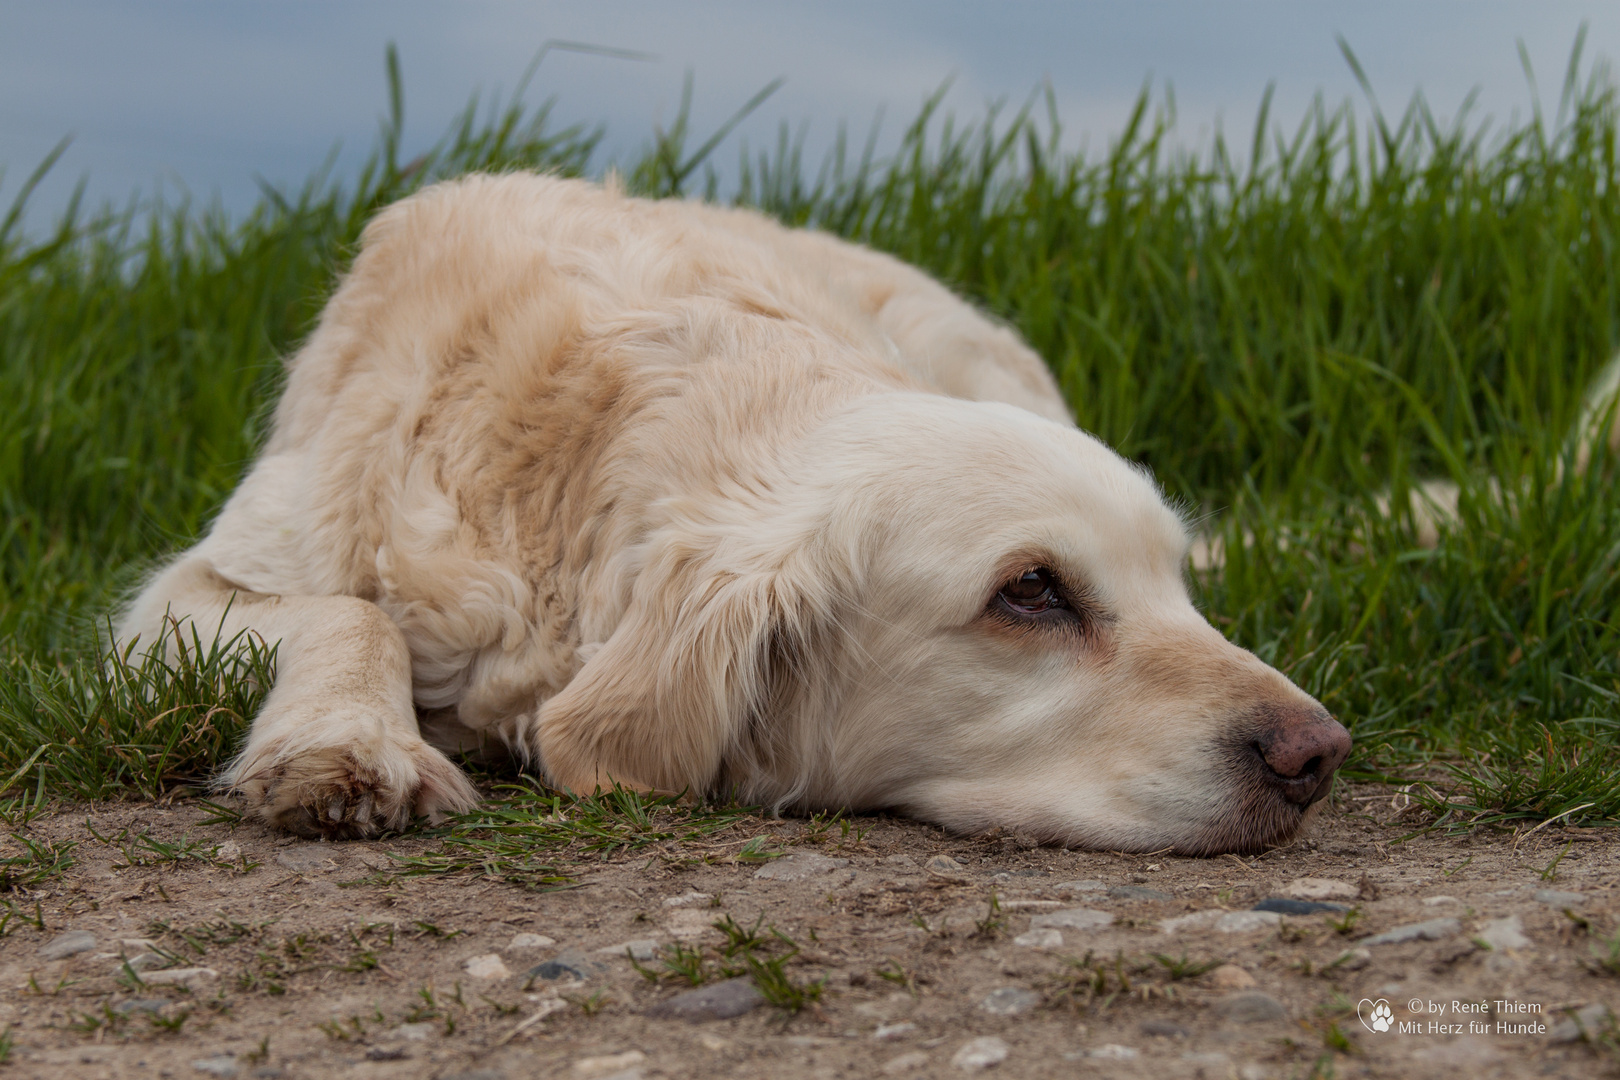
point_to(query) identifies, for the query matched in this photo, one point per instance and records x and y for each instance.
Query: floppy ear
(671, 692)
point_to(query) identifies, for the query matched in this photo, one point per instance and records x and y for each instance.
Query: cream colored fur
(669, 495)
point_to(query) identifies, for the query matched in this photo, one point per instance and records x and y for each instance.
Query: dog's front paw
(349, 791)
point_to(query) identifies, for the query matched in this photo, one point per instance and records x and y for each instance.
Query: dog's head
(954, 609)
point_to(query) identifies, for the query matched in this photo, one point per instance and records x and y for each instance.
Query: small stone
(388, 1053)
(905, 1063)
(529, 941)
(1284, 906)
(1315, 888)
(69, 944)
(1137, 892)
(1433, 930)
(192, 977)
(1505, 933)
(1246, 922)
(143, 962)
(944, 864)
(885, 1032)
(1087, 886)
(1230, 977)
(1558, 898)
(1044, 938)
(569, 964)
(1164, 1029)
(487, 966)
(307, 859)
(1112, 1052)
(690, 924)
(230, 851)
(1436, 901)
(717, 1001)
(223, 1065)
(135, 1005)
(1010, 1001)
(1071, 919)
(798, 867)
(415, 1032)
(604, 1064)
(1583, 1024)
(132, 945)
(1198, 920)
(1249, 1007)
(641, 949)
(902, 863)
(713, 1042)
(691, 898)
(982, 1053)
(1352, 959)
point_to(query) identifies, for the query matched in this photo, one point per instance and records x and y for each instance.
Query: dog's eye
(1032, 593)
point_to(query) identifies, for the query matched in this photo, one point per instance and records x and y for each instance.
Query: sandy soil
(316, 965)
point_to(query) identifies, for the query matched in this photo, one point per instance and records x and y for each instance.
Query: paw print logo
(1379, 1018)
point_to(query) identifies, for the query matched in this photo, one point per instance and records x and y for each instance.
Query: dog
(668, 495)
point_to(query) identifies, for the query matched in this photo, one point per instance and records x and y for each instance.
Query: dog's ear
(661, 703)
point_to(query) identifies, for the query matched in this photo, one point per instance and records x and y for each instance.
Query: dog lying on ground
(668, 495)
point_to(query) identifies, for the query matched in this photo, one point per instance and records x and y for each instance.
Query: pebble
(689, 924)
(137, 944)
(1226, 922)
(717, 1001)
(229, 851)
(1583, 1023)
(1164, 1029)
(189, 977)
(688, 899)
(415, 1032)
(1436, 901)
(604, 1064)
(641, 949)
(135, 1005)
(487, 966)
(1010, 1001)
(1079, 887)
(142, 962)
(1316, 888)
(1433, 930)
(1558, 898)
(1249, 1007)
(1113, 1052)
(307, 859)
(1044, 938)
(570, 964)
(982, 1053)
(530, 941)
(1284, 906)
(1230, 977)
(223, 1065)
(1078, 918)
(798, 867)
(944, 864)
(900, 862)
(905, 1063)
(886, 1032)
(1505, 933)
(1137, 892)
(69, 944)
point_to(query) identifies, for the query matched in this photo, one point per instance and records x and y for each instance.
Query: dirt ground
(319, 962)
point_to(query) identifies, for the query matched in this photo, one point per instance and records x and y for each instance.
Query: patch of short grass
(1285, 332)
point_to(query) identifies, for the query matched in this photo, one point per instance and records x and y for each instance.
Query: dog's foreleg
(335, 750)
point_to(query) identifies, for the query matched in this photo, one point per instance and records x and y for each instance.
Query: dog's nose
(1301, 748)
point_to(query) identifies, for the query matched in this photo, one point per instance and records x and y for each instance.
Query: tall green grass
(1283, 332)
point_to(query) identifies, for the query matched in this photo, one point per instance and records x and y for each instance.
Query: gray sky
(205, 95)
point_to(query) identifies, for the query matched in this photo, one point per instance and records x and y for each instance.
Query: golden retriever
(668, 495)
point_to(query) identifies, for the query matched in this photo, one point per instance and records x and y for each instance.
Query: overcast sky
(205, 97)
